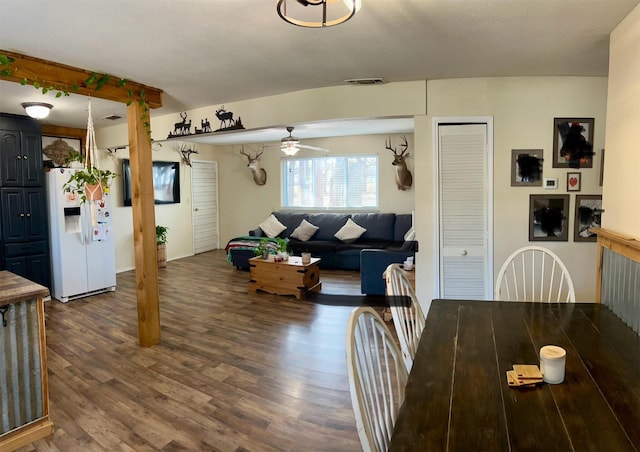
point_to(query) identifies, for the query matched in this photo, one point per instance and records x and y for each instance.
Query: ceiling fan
(291, 145)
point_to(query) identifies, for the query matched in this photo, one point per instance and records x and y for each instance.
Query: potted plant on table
(89, 183)
(161, 243)
(282, 246)
(262, 250)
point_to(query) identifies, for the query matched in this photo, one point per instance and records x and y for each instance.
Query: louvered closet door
(463, 211)
(204, 188)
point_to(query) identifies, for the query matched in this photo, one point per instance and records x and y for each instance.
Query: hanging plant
(91, 182)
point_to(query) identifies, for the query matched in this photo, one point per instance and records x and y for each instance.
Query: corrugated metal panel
(20, 370)
(621, 287)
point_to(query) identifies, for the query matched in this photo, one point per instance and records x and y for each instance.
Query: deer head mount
(259, 174)
(186, 151)
(404, 179)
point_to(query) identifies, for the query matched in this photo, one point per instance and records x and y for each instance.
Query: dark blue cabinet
(23, 204)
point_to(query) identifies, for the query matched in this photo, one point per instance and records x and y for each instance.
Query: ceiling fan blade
(314, 148)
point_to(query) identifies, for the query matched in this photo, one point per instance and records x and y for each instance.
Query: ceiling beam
(64, 78)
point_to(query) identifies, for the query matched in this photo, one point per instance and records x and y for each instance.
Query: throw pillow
(350, 232)
(304, 231)
(411, 234)
(272, 227)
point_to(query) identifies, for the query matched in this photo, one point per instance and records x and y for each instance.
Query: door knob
(464, 252)
(24, 157)
(196, 209)
(22, 215)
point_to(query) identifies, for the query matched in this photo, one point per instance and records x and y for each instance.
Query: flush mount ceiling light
(323, 13)
(37, 110)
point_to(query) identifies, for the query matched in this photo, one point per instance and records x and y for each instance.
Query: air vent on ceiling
(366, 81)
(112, 117)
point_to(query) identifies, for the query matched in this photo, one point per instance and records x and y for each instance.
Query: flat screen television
(166, 182)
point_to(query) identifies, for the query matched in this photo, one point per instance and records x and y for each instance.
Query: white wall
(523, 109)
(177, 217)
(621, 191)
(339, 102)
(243, 204)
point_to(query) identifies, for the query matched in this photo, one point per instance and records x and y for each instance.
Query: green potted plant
(89, 183)
(161, 243)
(262, 250)
(282, 247)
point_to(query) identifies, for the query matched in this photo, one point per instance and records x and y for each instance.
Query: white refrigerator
(83, 258)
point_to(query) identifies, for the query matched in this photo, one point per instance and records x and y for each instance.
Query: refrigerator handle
(85, 225)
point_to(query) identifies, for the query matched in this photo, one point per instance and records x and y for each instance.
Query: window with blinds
(349, 181)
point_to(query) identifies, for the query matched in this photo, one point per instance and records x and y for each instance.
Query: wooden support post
(144, 223)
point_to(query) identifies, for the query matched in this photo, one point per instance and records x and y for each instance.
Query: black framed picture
(548, 218)
(526, 167)
(573, 142)
(588, 215)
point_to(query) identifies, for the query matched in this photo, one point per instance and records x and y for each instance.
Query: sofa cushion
(363, 245)
(304, 231)
(291, 220)
(350, 232)
(272, 227)
(315, 247)
(329, 224)
(379, 226)
(403, 224)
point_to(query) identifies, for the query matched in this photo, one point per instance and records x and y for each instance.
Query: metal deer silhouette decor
(404, 179)
(259, 174)
(226, 120)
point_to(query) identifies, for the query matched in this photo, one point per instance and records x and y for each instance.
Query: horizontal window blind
(330, 182)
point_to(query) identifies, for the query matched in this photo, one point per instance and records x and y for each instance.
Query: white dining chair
(377, 378)
(534, 273)
(407, 314)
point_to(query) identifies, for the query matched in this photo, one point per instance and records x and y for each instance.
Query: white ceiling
(211, 52)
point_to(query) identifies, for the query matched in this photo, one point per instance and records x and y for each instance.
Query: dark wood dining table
(457, 397)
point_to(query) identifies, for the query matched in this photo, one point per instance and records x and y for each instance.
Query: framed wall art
(588, 215)
(56, 149)
(573, 142)
(526, 167)
(574, 180)
(548, 218)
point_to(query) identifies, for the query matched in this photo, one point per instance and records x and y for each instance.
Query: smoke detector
(366, 81)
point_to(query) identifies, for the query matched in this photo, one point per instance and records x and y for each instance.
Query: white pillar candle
(552, 363)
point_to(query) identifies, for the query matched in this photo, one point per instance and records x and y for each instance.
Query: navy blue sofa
(384, 234)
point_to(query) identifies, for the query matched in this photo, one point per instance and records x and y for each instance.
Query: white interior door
(204, 195)
(464, 211)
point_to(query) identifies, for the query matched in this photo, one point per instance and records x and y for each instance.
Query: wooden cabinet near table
(24, 395)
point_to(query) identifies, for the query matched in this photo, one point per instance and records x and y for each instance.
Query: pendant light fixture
(317, 13)
(37, 110)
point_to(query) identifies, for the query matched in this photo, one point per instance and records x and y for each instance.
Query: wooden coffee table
(290, 277)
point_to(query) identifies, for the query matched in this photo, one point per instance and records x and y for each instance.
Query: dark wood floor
(234, 371)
